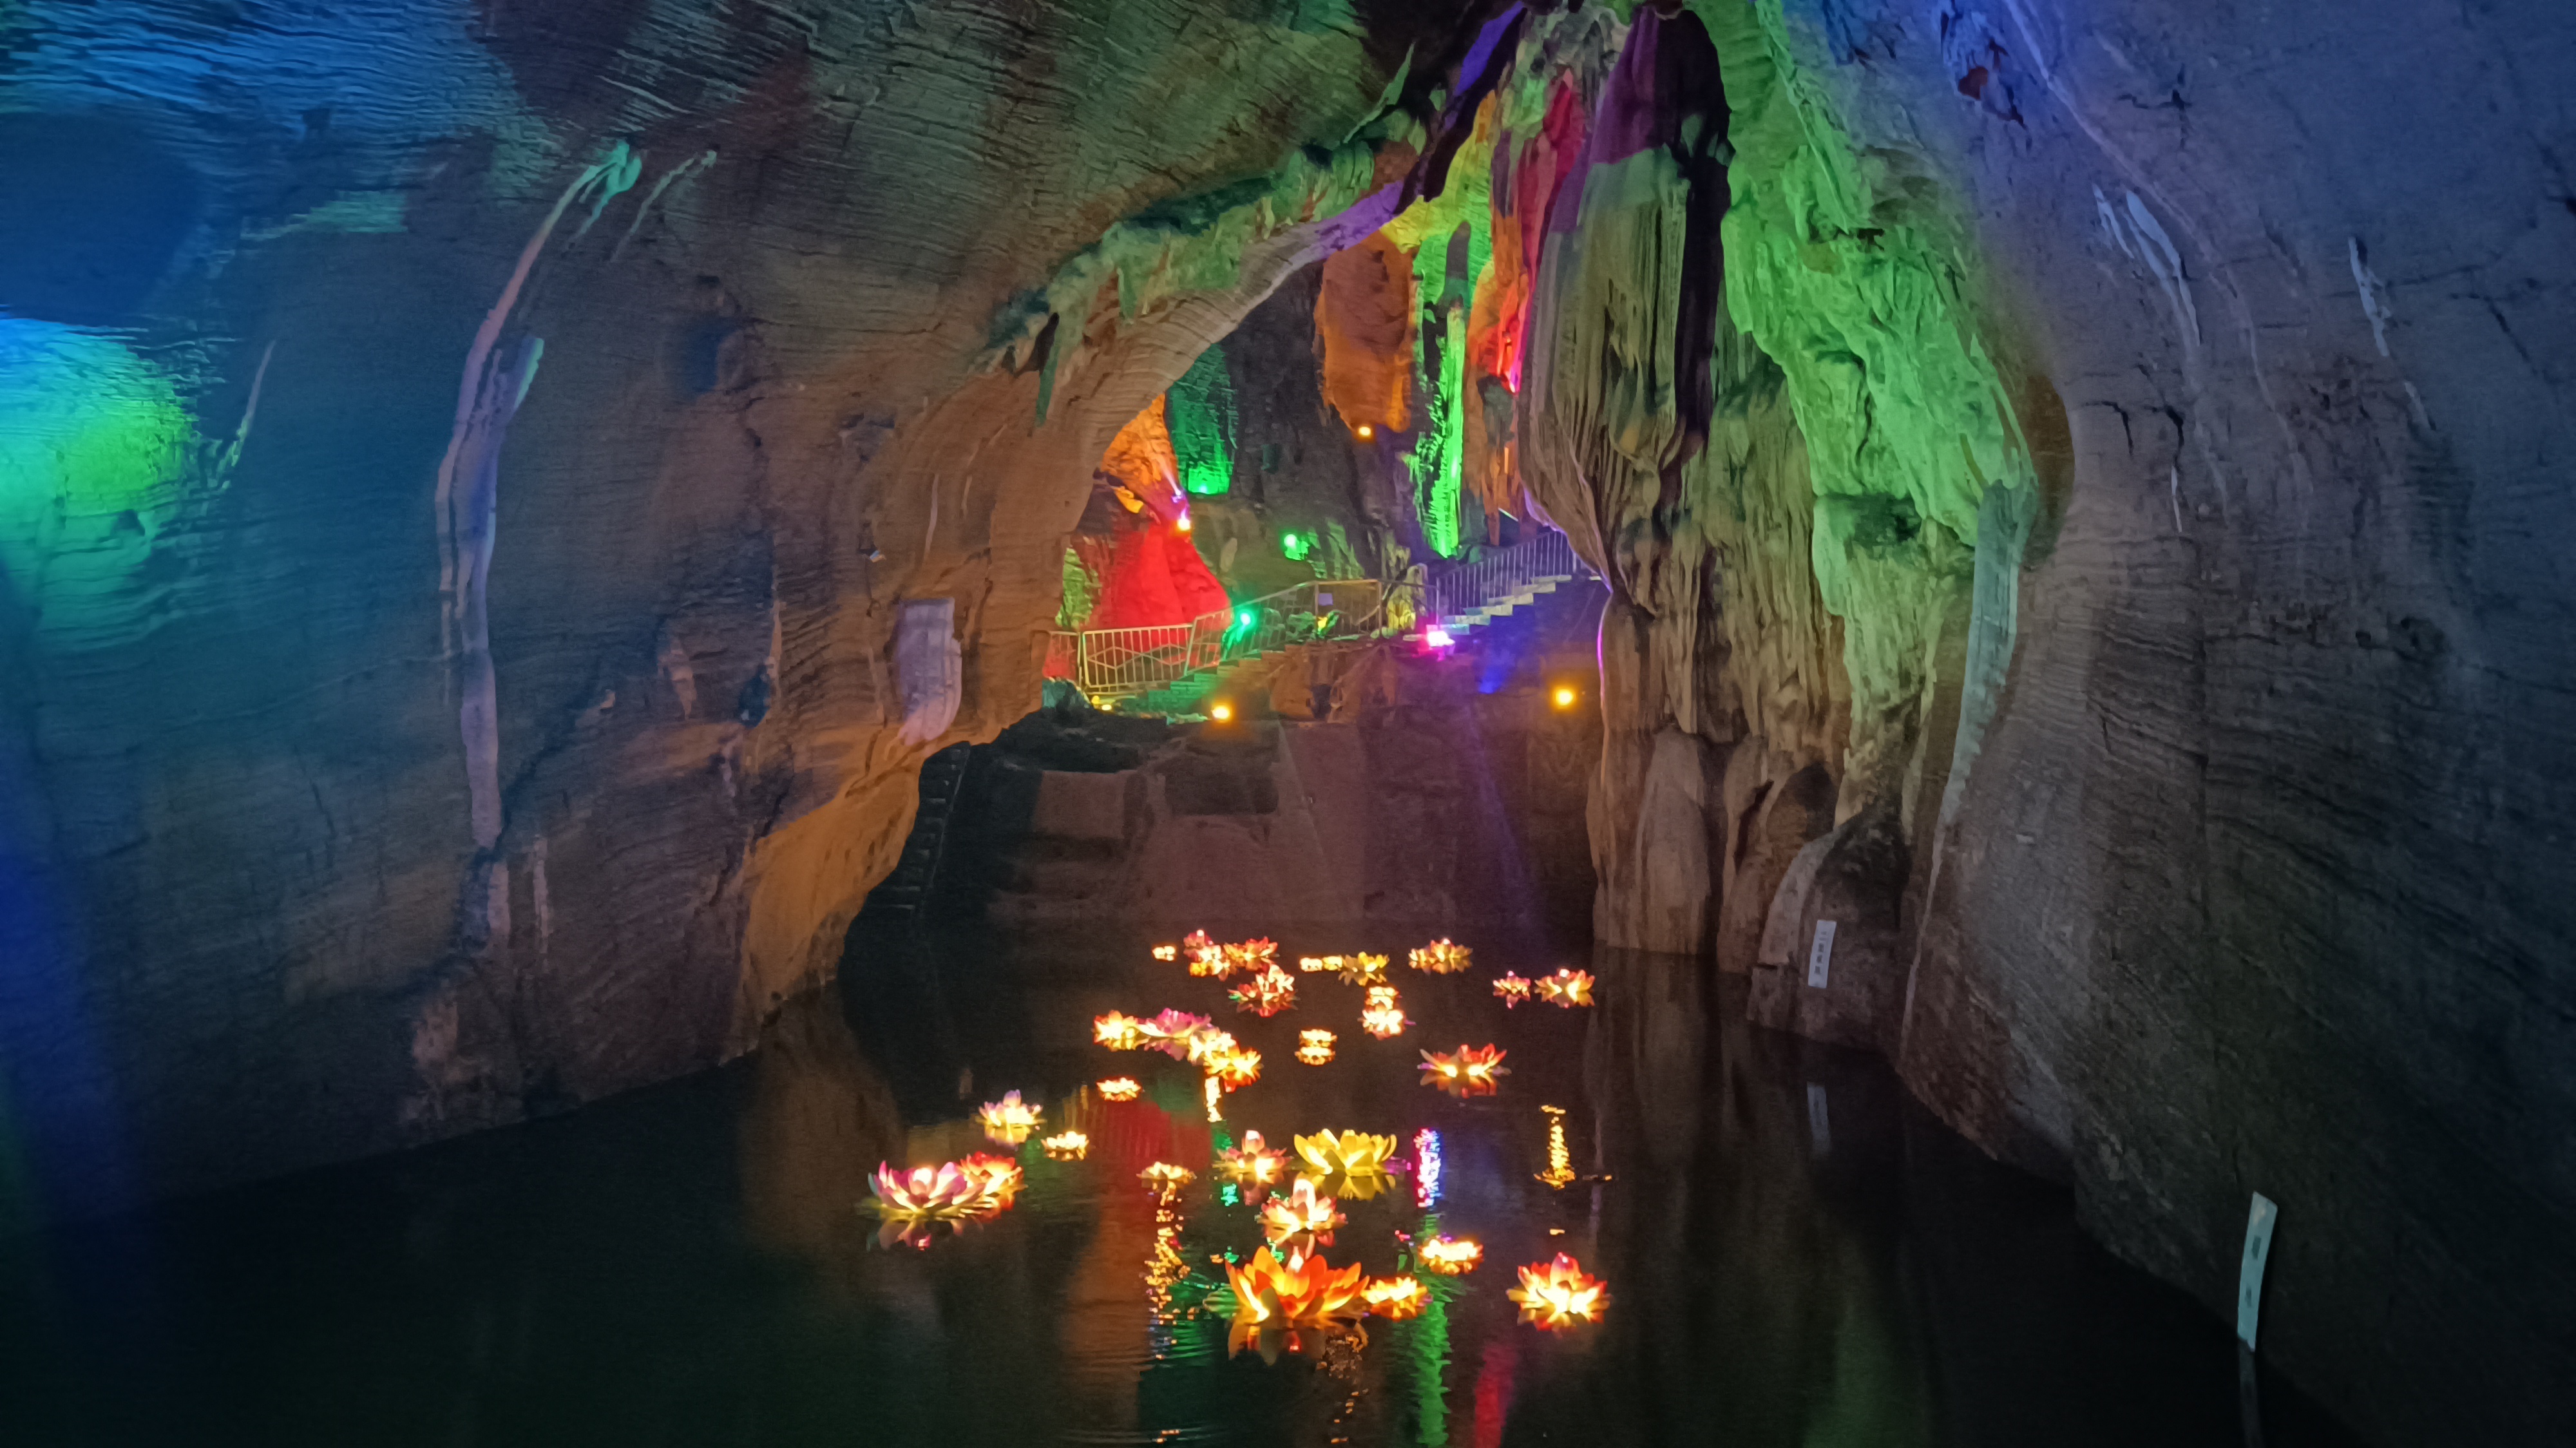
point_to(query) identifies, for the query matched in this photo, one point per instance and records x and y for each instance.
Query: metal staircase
(1462, 597)
(906, 890)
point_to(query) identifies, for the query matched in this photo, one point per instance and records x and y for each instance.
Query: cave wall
(462, 470)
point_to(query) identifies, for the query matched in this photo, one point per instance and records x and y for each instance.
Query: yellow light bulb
(1221, 712)
(1366, 432)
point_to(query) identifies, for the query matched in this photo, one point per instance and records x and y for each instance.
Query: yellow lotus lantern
(1310, 964)
(1567, 988)
(1206, 956)
(1395, 1298)
(1315, 1048)
(1381, 1016)
(1442, 957)
(1010, 1120)
(1301, 1220)
(1364, 969)
(996, 1179)
(1560, 1294)
(1283, 1304)
(1260, 953)
(1468, 1071)
(1167, 952)
(1117, 1032)
(1511, 989)
(1232, 1068)
(1069, 1146)
(912, 1202)
(1450, 1256)
(1120, 1088)
(1348, 1163)
(1266, 993)
(1202, 1043)
(1256, 1166)
(1166, 1180)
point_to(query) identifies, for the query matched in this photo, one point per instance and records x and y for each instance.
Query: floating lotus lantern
(1567, 988)
(912, 1202)
(1560, 1294)
(1117, 1032)
(1166, 1180)
(1395, 1298)
(1468, 1071)
(1010, 1120)
(997, 1181)
(1172, 1032)
(1442, 957)
(1511, 989)
(1267, 993)
(1315, 1048)
(1382, 1017)
(1310, 964)
(1450, 1256)
(1232, 1068)
(1282, 1304)
(1203, 1043)
(1206, 957)
(1120, 1088)
(1069, 1146)
(1364, 969)
(1349, 1163)
(1301, 1220)
(1260, 953)
(1254, 1166)
(1167, 952)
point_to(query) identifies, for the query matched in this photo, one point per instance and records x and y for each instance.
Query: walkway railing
(1463, 595)
(1117, 662)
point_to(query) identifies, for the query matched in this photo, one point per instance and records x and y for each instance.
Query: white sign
(1820, 1126)
(1820, 956)
(2249, 1277)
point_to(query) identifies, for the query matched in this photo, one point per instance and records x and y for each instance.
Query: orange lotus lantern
(1468, 1071)
(1069, 1146)
(1315, 1048)
(1566, 988)
(913, 1202)
(1442, 957)
(1560, 1294)
(1260, 953)
(1395, 1298)
(1120, 1088)
(1167, 952)
(1117, 1032)
(1010, 1120)
(1165, 1180)
(1301, 1220)
(1450, 1256)
(1511, 989)
(1382, 1017)
(1203, 1044)
(1232, 1068)
(1347, 1163)
(1206, 957)
(1268, 992)
(1364, 969)
(1283, 1304)
(1255, 1166)
(997, 1181)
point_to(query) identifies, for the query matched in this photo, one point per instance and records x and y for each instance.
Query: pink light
(1437, 638)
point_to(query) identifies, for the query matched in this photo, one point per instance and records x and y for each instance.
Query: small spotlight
(1184, 524)
(1220, 712)
(1564, 697)
(1366, 432)
(1437, 638)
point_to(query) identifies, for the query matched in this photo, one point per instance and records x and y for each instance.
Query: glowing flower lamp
(1202, 1043)
(1382, 1017)
(1315, 1048)
(1254, 1166)
(1442, 957)
(1266, 994)
(1010, 1120)
(1364, 969)
(1120, 1088)
(1567, 988)
(1232, 1068)
(1395, 1298)
(1117, 1032)
(1302, 1220)
(1511, 989)
(1069, 1146)
(1283, 1304)
(1348, 1163)
(1468, 1071)
(1171, 1032)
(1450, 1256)
(911, 1202)
(1167, 952)
(996, 1179)
(1560, 1294)
(1260, 953)
(1310, 964)
(1206, 956)
(1166, 1180)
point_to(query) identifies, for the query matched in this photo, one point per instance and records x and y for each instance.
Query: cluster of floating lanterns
(1566, 988)
(1265, 993)
(1442, 957)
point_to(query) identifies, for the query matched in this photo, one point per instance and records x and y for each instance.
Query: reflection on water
(1632, 1220)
